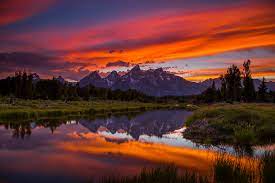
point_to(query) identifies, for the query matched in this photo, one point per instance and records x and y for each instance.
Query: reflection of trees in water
(24, 129)
(20, 130)
(51, 124)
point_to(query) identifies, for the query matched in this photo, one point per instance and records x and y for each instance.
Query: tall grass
(228, 170)
(268, 167)
(225, 169)
(161, 174)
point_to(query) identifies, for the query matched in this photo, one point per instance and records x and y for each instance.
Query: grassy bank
(27, 109)
(224, 169)
(241, 124)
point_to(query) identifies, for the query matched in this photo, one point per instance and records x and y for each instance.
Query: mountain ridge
(153, 82)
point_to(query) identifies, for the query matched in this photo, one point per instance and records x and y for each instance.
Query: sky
(194, 39)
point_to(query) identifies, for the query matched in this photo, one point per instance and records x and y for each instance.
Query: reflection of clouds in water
(116, 135)
(96, 144)
(173, 138)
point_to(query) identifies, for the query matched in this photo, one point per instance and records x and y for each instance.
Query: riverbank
(28, 109)
(237, 124)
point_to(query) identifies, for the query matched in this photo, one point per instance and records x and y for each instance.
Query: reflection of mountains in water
(151, 123)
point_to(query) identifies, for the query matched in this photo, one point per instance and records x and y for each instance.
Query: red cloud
(15, 10)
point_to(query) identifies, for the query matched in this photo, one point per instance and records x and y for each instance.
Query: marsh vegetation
(240, 124)
(224, 169)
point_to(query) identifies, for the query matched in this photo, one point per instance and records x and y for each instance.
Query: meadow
(240, 123)
(33, 109)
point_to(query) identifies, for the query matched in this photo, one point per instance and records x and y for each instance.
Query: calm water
(78, 150)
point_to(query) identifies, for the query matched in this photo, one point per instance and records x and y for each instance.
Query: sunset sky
(193, 39)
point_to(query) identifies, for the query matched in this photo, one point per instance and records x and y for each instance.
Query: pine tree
(210, 94)
(223, 87)
(233, 83)
(30, 86)
(18, 84)
(24, 87)
(248, 84)
(262, 91)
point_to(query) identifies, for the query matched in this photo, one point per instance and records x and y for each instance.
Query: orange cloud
(177, 36)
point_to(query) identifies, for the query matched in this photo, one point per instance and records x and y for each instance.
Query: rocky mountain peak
(60, 79)
(35, 76)
(113, 75)
(159, 70)
(94, 75)
(135, 69)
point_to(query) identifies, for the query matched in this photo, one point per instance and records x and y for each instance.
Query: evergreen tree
(29, 86)
(223, 87)
(18, 84)
(233, 83)
(262, 91)
(24, 87)
(210, 94)
(248, 84)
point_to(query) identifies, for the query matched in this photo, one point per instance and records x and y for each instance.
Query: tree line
(239, 86)
(236, 85)
(22, 85)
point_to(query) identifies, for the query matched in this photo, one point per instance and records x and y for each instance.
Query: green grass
(243, 124)
(27, 109)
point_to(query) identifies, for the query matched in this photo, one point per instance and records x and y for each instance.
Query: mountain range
(153, 82)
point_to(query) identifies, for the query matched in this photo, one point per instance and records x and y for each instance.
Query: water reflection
(75, 150)
(155, 123)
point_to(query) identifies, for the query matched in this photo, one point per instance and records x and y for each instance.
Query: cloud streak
(12, 11)
(119, 63)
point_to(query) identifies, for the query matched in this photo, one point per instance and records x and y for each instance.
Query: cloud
(47, 66)
(12, 11)
(161, 35)
(119, 63)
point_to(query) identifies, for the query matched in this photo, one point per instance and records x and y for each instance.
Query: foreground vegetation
(240, 124)
(224, 170)
(26, 109)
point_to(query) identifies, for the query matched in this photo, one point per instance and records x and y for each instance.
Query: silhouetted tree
(210, 94)
(248, 84)
(262, 91)
(29, 87)
(223, 87)
(18, 84)
(233, 83)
